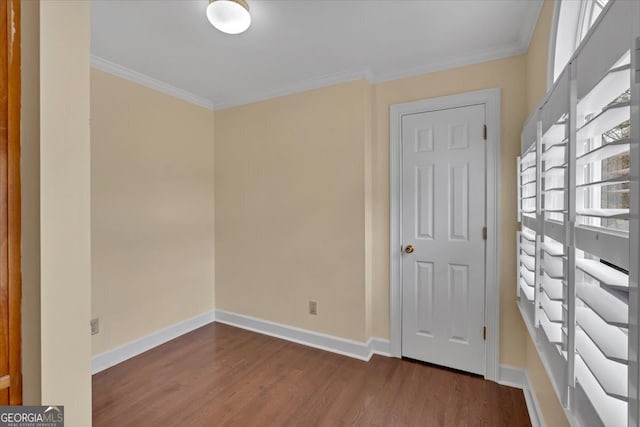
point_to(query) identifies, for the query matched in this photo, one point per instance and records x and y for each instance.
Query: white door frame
(491, 99)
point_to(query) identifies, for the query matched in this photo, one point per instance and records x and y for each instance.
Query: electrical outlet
(95, 326)
(313, 307)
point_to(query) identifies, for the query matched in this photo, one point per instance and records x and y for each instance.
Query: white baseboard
(380, 346)
(512, 376)
(519, 378)
(110, 358)
(356, 349)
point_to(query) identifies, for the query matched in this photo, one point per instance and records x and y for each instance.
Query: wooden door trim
(13, 202)
(491, 99)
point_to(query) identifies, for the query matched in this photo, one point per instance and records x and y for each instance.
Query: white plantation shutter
(555, 289)
(527, 214)
(580, 221)
(602, 195)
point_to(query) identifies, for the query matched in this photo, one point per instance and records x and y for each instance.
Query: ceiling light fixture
(229, 16)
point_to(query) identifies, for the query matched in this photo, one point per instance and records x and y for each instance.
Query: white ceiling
(293, 45)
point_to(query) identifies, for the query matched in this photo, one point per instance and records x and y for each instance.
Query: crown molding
(297, 87)
(366, 74)
(142, 79)
(451, 62)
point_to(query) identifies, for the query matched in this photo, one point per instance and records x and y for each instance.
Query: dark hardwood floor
(219, 375)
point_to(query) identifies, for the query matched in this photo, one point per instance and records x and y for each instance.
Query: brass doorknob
(408, 249)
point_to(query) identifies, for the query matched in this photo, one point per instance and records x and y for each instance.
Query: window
(579, 216)
(589, 12)
(574, 20)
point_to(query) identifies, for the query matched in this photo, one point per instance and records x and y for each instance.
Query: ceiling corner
(529, 27)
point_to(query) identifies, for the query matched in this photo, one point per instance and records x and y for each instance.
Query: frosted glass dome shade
(229, 16)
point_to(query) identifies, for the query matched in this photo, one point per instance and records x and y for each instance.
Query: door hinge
(484, 333)
(484, 132)
(637, 59)
(484, 233)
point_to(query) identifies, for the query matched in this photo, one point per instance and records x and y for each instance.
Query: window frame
(568, 28)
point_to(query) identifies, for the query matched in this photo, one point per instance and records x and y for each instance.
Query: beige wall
(293, 180)
(537, 59)
(290, 209)
(369, 267)
(30, 189)
(152, 211)
(65, 208)
(550, 406)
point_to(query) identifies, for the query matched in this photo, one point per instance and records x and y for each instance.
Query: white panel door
(443, 214)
